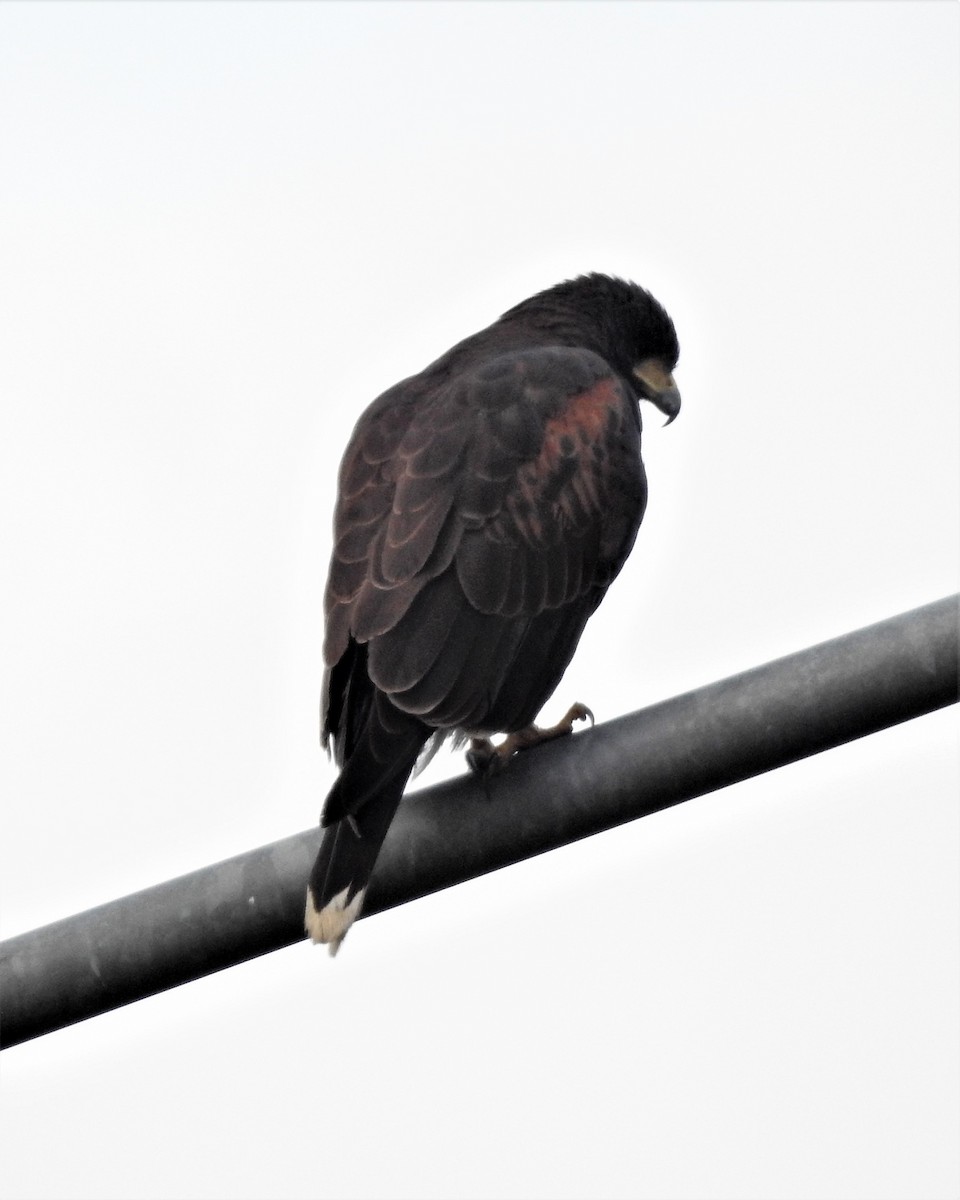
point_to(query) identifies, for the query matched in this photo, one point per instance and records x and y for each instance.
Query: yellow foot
(485, 758)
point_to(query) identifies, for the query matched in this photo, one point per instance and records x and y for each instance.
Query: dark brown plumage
(485, 506)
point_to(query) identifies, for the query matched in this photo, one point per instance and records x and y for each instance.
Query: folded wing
(479, 524)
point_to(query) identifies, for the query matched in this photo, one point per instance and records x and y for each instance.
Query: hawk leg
(484, 758)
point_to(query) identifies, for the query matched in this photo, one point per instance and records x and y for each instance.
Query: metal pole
(549, 796)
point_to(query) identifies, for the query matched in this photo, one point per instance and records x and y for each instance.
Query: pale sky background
(223, 230)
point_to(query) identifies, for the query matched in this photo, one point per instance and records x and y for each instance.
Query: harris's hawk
(485, 506)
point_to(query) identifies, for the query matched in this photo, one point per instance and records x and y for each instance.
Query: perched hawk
(485, 506)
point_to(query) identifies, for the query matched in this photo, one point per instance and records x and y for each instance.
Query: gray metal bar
(555, 794)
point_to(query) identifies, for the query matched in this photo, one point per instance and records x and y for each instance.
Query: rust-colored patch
(563, 477)
(581, 421)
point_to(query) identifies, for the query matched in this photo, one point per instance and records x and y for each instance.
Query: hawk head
(622, 322)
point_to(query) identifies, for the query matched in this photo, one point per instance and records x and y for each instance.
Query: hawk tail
(357, 814)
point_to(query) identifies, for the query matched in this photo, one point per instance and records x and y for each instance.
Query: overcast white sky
(223, 230)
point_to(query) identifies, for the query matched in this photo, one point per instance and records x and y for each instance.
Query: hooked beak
(655, 383)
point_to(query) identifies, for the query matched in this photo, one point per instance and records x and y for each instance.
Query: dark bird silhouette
(485, 506)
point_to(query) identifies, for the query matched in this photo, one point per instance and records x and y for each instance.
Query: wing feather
(400, 658)
(458, 682)
(483, 570)
(410, 538)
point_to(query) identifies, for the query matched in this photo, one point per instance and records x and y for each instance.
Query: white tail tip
(331, 923)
